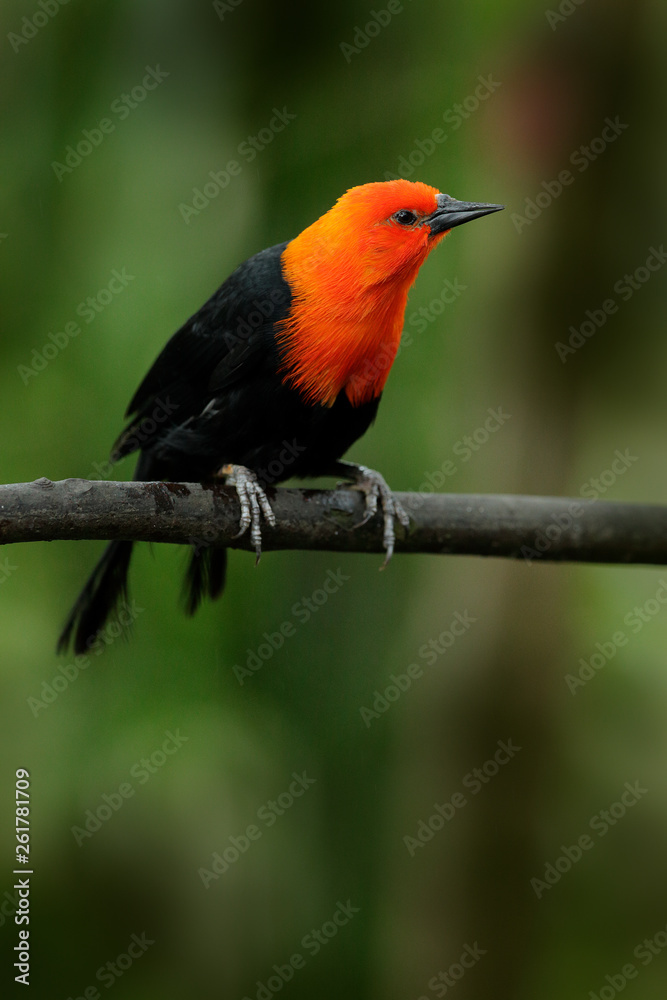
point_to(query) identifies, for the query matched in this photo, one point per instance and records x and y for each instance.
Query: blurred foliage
(558, 74)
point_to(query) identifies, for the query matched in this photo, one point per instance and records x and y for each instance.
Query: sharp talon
(375, 488)
(365, 519)
(253, 502)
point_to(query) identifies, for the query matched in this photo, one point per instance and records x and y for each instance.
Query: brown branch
(518, 527)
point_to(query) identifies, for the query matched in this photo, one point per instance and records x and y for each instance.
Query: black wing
(218, 346)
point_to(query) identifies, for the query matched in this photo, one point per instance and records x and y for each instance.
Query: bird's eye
(404, 217)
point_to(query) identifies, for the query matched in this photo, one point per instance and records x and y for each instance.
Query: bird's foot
(253, 501)
(374, 486)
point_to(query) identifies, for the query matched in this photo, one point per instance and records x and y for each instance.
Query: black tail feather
(205, 577)
(106, 585)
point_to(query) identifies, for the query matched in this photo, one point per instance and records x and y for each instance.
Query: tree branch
(532, 528)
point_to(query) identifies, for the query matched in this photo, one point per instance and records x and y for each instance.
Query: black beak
(451, 213)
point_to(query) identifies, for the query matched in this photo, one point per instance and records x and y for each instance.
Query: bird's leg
(254, 503)
(373, 485)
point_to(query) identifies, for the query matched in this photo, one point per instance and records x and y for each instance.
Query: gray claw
(254, 503)
(373, 485)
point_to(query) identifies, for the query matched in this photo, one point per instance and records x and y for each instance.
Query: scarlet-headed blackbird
(278, 373)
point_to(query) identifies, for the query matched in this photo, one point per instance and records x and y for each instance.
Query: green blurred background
(366, 103)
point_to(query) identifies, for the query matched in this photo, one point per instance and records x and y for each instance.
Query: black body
(215, 396)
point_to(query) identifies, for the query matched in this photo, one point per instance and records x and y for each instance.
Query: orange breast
(332, 345)
(349, 274)
(342, 333)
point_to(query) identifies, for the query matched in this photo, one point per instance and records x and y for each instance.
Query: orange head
(349, 274)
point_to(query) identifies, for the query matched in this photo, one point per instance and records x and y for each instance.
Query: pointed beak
(451, 213)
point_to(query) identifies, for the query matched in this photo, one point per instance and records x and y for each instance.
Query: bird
(277, 375)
